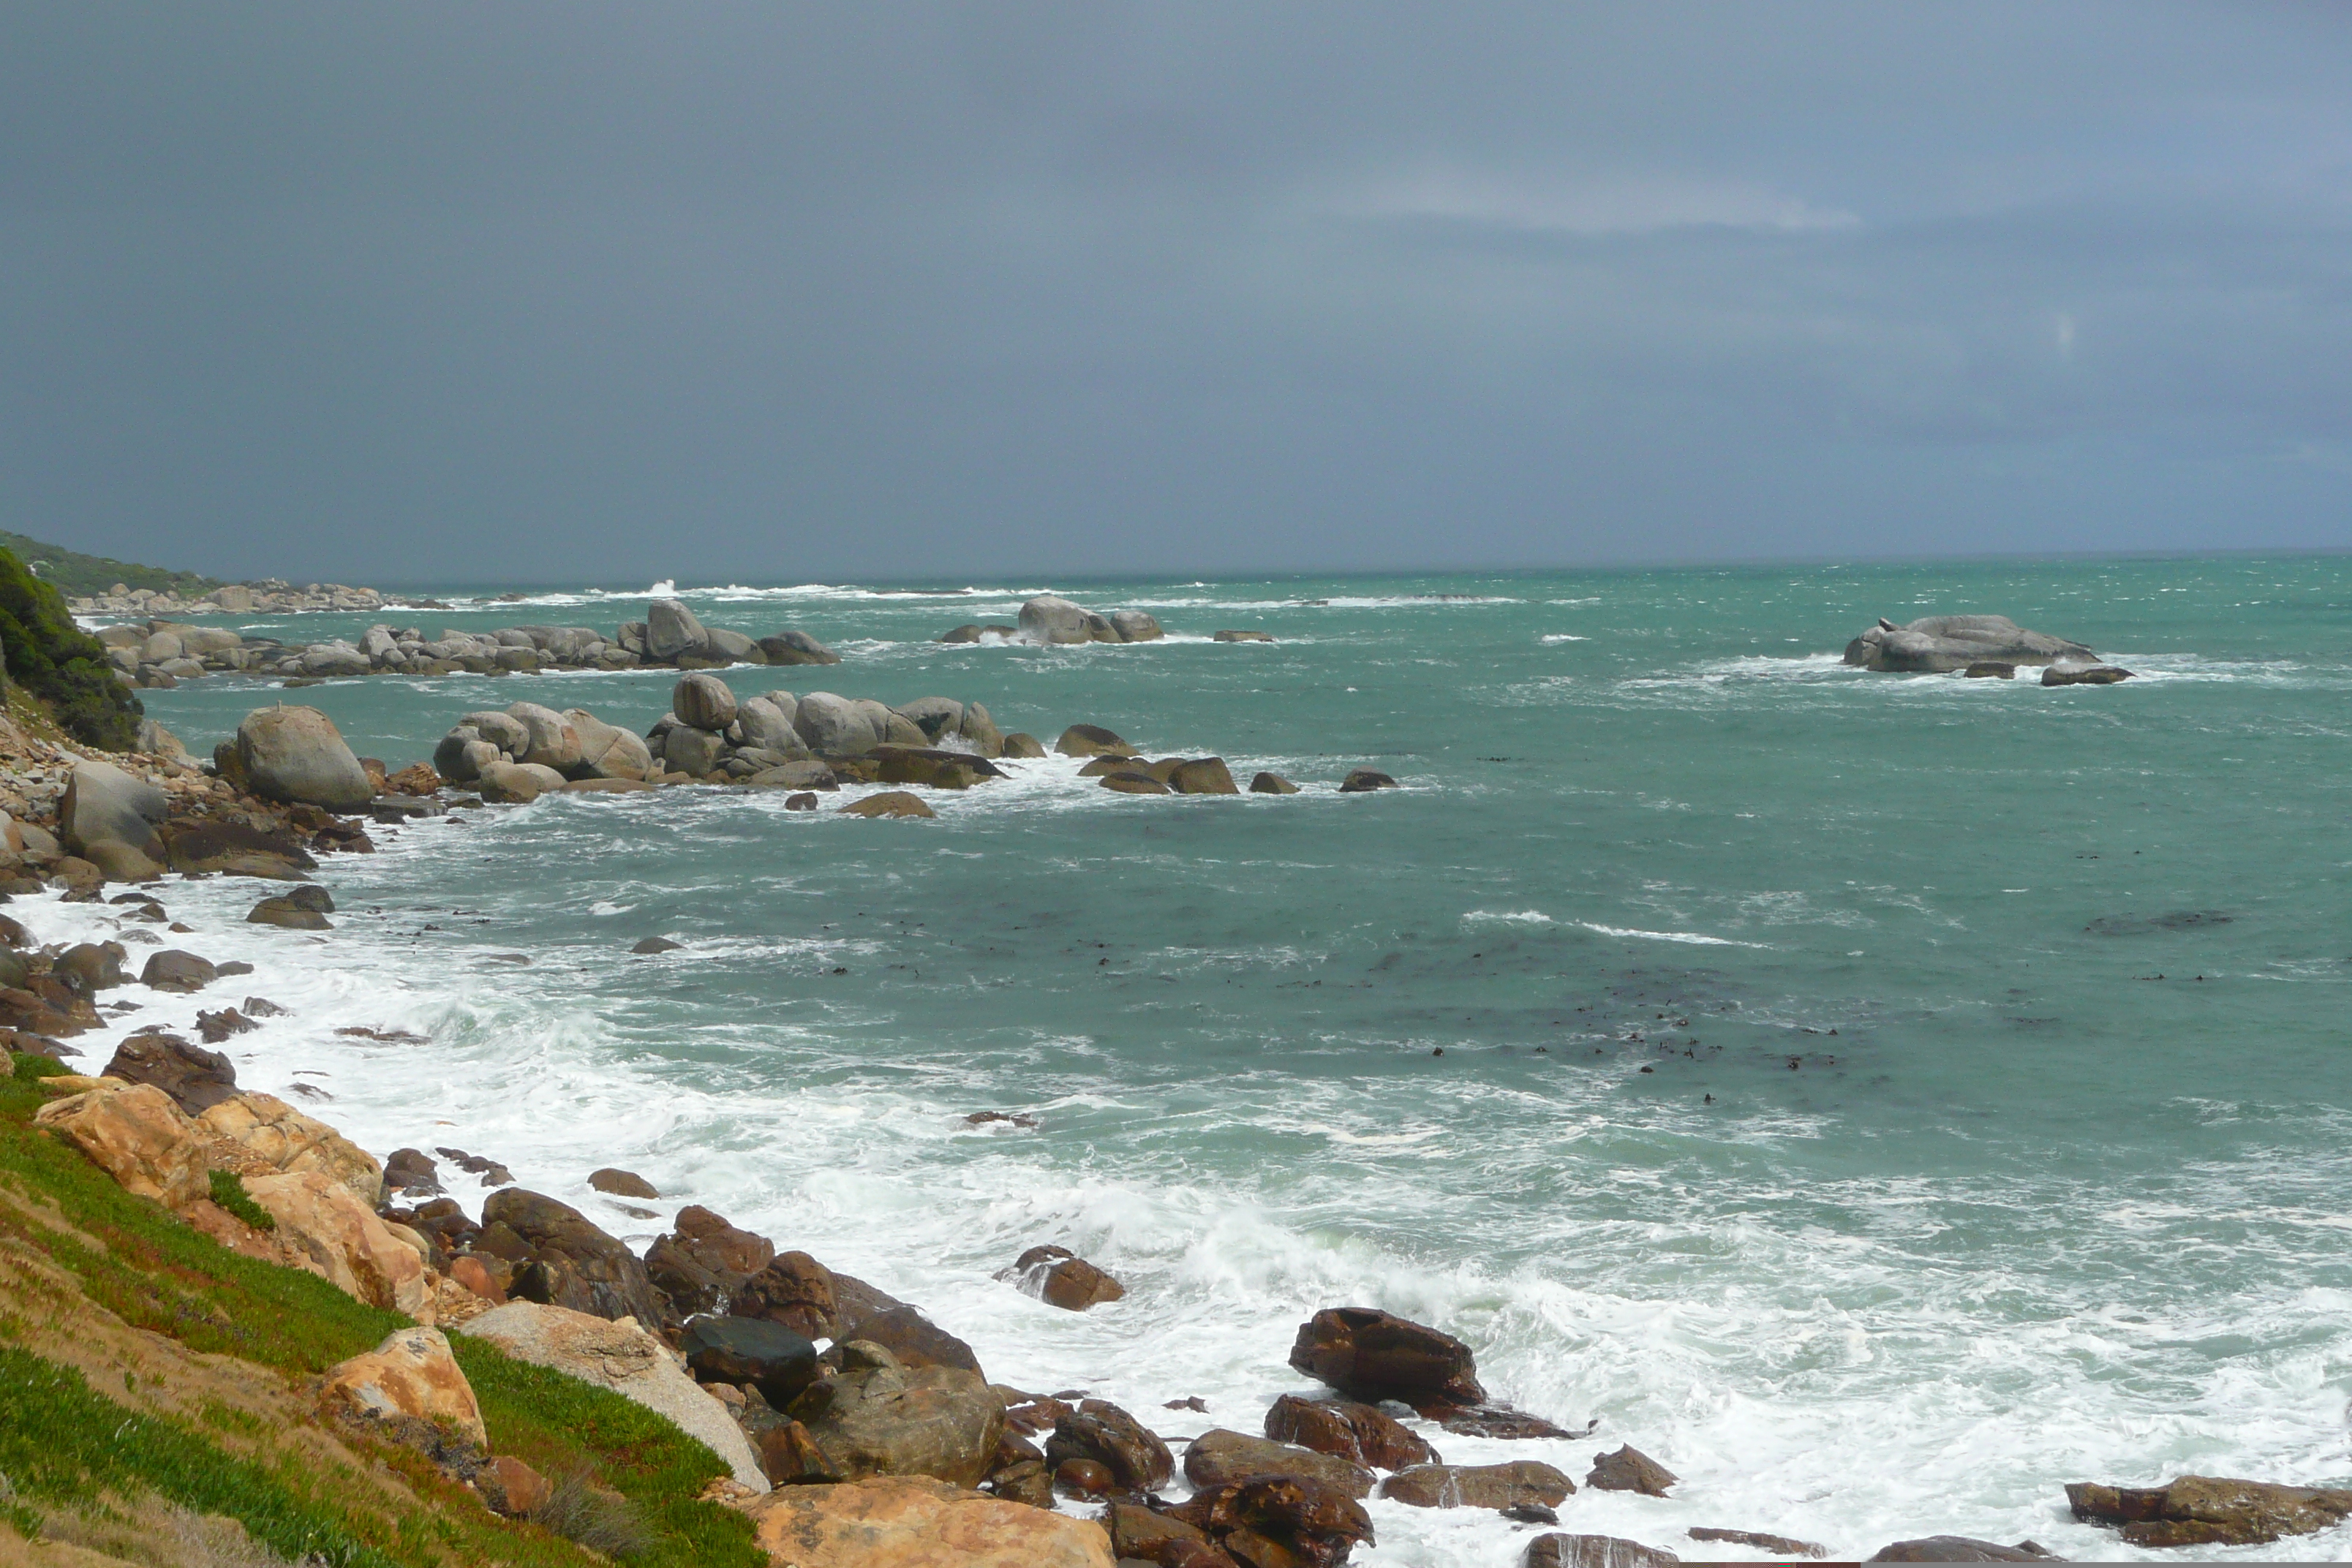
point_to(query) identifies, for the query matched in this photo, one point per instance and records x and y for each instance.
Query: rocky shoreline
(264, 595)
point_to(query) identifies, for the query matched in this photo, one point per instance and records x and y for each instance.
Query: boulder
(2085, 675)
(623, 1357)
(1629, 1471)
(1364, 1434)
(722, 646)
(888, 802)
(2210, 1510)
(701, 1265)
(1271, 783)
(585, 1269)
(1102, 1432)
(808, 774)
(86, 968)
(769, 1357)
(1088, 740)
(979, 731)
(462, 753)
(1958, 1549)
(235, 849)
(1991, 670)
(504, 731)
(1559, 1551)
(607, 750)
(412, 1173)
(512, 1488)
(705, 701)
(831, 726)
(902, 1523)
(934, 716)
(696, 752)
(330, 1231)
(268, 1132)
(1374, 1355)
(297, 754)
(135, 1134)
(1279, 1520)
(876, 1417)
(1511, 1485)
(1936, 643)
(325, 659)
(1020, 743)
(796, 647)
(1060, 1278)
(175, 970)
(794, 1291)
(1202, 775)
(195, 1078)
(412, 1374)
(1363, 781)
(671, 630)
(517, 783)
(1242, 636)
(767, 723)
(1135, 626)
(1145, 1534)
(930, 767)
(1049, 618)
(550, 741)
(102, 805)
(288, 914)
(1218, 1457)
(898, 1328)
(621, 1183)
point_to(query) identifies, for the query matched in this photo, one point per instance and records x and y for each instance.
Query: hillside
(59, 665)
(76, 576)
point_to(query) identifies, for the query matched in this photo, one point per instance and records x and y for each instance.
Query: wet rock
(1219, 1456)
(1020, 743)
(1279, 1520)
(2085, 675)
(1271, 783)
(1017, 1472)
(216, 1027)
(493, 1174)
(909, 1335)
(796, 647)
(792, 1290)
(1084, 1477)
(412, 1173)
(1203, 776)
(175, 970)
(1373, 1355)
(1938, 644)
(1958, 1549)
(1060, 1278)
(2210, 1510)
(91, 967)
(1629, 1471)
(906, 1522)
(286, 754)
(1049, 618)
(1087, 741)
(412, 1373)
(1479, 1486)
(195, 1078)
(1132, 781)
(517, 784)
(1363, 781)
(1135, 626)
(622, 1183)
(1777, 1545)
(1559, 1551)
(932, 767)
(702, 1263)
(654, 944)
(769, 1356)
(1101, 1431)
(876, 1417)
(804, 774)
(1233, 635)
(888, 802)
(583, 1269)
(1363, 1433)
(1991, 670)
(289, 915)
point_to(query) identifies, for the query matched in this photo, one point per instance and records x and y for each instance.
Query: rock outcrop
(910, 1522)
(412, 1375)
(1939, 644)
(2210, 1510)
(1363, 1433)
(297, 754)
(1373, 1355)
(344, 1241)
(876, 1417)
(135, 1134)
(565, 1260)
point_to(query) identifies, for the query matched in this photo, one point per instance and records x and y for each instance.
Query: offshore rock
(1218, 1457)
(2210, 1510)
(1364, 1434)
(1373, 1355)
(1060, 1278)
(1629, 1471)
(1938, 644)
(1511, 1485)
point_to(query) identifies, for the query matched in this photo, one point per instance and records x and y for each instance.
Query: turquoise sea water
(1881, 1099)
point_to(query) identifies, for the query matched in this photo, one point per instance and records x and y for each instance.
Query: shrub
(60, 664)
(228, 1191)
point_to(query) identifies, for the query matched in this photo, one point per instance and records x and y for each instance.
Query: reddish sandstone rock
(1362, 1433)
(1060, 1278)
(1374, 1355)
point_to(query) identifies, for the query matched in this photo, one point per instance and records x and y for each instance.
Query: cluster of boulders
(1979, 647)
(266, 595)
(162, 653)
(1049, 618)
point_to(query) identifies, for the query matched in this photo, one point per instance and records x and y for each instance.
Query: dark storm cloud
(428, 292)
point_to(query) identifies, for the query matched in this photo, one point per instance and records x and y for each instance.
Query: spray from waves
(1536, 916)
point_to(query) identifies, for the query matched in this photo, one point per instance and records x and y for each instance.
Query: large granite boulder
(934, 716)
(334, 1235)
(1135, 626)
(671, 629)
(410, 1374)
(510, 734)
(549, 739)
(235, 849)
(1938, 644)
(796, 647)
(1049, 618)
(767, 722)
(1373, 1355)
(794, 1291)
(2210, 1510)
(1060, 1278)
(876, 1417)
(578, 1266)
(890, 1522)
(607, 750)
(106, 814)
(138, 1136)
(832, 726)
(704, 701)
(701, 1264)
(297, 754)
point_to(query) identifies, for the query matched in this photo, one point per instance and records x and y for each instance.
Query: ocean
(1880, 1099)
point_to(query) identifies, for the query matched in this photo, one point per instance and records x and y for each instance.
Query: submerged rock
(2085, 675)
(1629, 1471)
(2210, 1510)
(1496, 1487)
(1938, 644)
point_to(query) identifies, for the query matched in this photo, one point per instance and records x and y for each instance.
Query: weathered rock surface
(771, 1358)
(876, 1417)
(623, 1357)
(298, 754)
(342, 1240)
(1279, 1520)
(1561, 1551)
(794, 1291)
(702, 1263)
(899, 1522)
(1364, 781)
(607, 750)
(549, 739)
(1363, 1433)
(135, 1134)
(195, 1078)
(621, 1183)
(1050, 618)
(1271, 783)
(410, 1374)
(1935, 644)
(1777, 1545)
(2210, 1510)
(1088, 740)
(796, 647)
(173, 969)
(1218, 1457)
(1102, 1432)
(888, 802)
(671, 629)
(905, 1333)
(1498, 1486)
(1958, 1549)
(236, 849)
(704, 701)
(1629, 1471)
(1060, 1278)
(104, 809)
(1373, 1355)
(1202, 775)
(581, 1266)
(269, 1137)
(2085, 675)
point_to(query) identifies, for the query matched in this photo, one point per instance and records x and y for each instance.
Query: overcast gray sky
(427, 292)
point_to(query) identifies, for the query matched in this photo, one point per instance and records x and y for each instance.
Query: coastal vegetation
(59, 664)
(79, 575)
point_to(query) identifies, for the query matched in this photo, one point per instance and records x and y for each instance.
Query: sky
(874, 291)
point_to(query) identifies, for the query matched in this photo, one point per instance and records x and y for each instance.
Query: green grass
(77, 575)
(153, 1272)
(228, 1191)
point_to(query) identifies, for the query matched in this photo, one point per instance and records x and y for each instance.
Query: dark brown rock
(793, 1289)
(1084, 1477)
(622, 1183)
(1629, 1471)
(1031, 1414)
(1132, 781)
(647, 946)
(1958, 1549)
(1018, 1473)
(1479, 1486)
(874, 1418)
(768, 1356)
(914, 1339)
(789, 1457)
(196, 1079)
(1777, 1545)
(1060, 1278)
(1145, 1534)
(1099, 1430)
(1217, 1457)
(411, 1172)
(584, 1268)
(1276, 1521)
(235, 849)
(2210, 1510)
(701, 1264)
(1991, 670)
(1202, 775)
(88, 968)
(175, 970)
(1559, 1551)
(216, 1027)
(1361, 1433)
(1374, 1355)
(1085, 740)
(1363, 781)
(2084, 675)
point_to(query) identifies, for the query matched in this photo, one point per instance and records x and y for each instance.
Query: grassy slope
(52, 658)
(216, 1416)
(77, 574)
